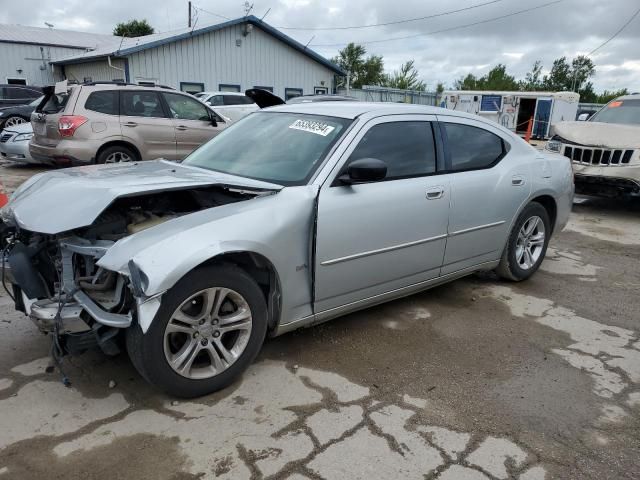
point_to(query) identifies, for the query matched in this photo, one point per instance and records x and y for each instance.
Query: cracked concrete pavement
(478, 379)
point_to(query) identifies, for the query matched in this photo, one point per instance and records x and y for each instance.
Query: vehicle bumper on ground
(65, 153)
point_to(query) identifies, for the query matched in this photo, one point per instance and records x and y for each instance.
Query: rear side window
(236, 100)
(103, 102)
(140, 104)
(408, 148)
(472, 148)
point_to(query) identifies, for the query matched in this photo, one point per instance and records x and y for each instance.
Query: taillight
(68, 124)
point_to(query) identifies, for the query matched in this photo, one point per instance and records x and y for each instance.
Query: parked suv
(118, 122)
(233, 105)
(605, 150)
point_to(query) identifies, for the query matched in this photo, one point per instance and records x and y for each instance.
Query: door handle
(517, 180)
(130, 124)
(435, 193)
(181, 127)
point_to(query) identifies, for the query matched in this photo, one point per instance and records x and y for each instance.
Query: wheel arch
(550, 205)
(262, 270)
(118, 143)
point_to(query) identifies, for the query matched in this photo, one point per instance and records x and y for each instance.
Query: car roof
(351, 110)
(631, 96)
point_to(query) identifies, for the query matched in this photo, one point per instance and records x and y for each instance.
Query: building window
(290, 93)
(191, 87)
(16, 81)
(320, 90)
(228, 87)
(268, 89)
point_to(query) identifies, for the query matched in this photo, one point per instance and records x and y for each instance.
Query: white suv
(233, 105)
(605, 149)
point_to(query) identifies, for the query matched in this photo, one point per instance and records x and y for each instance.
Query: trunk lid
(46, 115)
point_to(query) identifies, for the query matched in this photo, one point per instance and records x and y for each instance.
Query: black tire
(146, 349)
(509, 267)
(115, 151)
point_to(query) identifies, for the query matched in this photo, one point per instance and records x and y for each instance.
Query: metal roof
(121, 47)
(52, 37)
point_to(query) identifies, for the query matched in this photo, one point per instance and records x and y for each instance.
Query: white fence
(384, 94)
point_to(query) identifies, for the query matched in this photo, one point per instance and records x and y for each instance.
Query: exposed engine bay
(56, 281)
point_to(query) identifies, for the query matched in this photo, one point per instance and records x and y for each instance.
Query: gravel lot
(477, 379)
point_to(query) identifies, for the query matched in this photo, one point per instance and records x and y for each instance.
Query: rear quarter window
(472, 148)
(103, 102)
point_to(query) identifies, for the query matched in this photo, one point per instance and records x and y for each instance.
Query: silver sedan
(14, 143)
(293, 216)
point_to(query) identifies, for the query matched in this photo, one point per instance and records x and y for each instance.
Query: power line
(407, 20)
(615, 34)
(443, 30)
(210, 13)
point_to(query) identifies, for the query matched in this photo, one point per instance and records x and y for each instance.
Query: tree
(495, 79)
(498, 79)
(607, 96)
(533, 79)
(363, 71)
(406, 78)
(470, 82)
(133, 28)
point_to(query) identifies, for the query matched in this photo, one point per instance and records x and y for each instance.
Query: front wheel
(13, 121)
(527, 244)
(208, 330)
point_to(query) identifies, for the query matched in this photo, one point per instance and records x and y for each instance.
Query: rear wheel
(116, 154)
(527, 244)
(209, 328)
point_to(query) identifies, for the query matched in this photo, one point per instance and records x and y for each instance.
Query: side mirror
(583, 117)
(364, 170)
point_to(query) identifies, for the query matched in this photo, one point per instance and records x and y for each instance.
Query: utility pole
(189, 23)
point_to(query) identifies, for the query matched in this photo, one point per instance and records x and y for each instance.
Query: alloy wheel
(13, 121)
(530, 243)
(117, 157)
(207, 333)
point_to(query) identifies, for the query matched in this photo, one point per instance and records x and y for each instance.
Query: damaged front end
(57, 281)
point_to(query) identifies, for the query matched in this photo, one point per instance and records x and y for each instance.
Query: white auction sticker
(312, 126)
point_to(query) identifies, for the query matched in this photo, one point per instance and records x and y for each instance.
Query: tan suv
(117, 122)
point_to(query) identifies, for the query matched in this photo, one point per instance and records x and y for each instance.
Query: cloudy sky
(550, 30)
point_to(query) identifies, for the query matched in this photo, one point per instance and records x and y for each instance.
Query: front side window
(408, 148)
(472, 148)
(215, 101)
(186, 108)
(140, 104)
(103, 102)
(619, 111)
(236, 100)
(282, 148)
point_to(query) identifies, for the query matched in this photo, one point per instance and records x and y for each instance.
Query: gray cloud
(568, 28)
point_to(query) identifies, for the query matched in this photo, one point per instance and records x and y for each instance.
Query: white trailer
(514, 109)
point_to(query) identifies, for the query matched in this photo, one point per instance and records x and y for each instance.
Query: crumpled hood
(66, 199)
(597, 134)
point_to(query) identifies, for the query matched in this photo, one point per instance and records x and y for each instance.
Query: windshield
(619, 111)
(282, 148)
